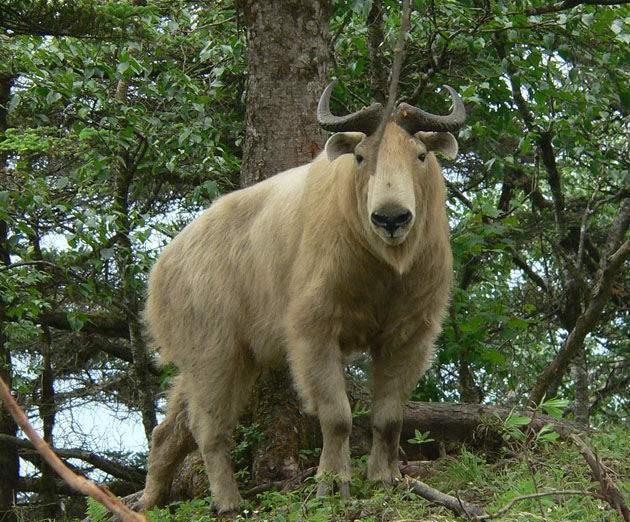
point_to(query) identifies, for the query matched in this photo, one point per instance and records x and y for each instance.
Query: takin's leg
(171, 441)
(395, 374)
(318, 372)
(217, 390)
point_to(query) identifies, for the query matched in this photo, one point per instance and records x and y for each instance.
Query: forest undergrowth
(490, 481)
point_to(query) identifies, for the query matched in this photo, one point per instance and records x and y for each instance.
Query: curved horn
(366, 120)
(413, 119)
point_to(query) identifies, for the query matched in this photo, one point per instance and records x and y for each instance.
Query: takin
(348, 253)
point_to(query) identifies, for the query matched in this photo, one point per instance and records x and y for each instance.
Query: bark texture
(276, 457)
(376, 36)
(287, 66)
(9, 462)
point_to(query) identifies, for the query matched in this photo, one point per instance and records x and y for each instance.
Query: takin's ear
(342, 143)
(443, 142)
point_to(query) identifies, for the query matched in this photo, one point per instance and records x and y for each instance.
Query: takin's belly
(360, 331)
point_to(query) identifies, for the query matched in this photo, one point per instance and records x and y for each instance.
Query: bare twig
(399, 56)
(558, 493)
(610, 492)
(81, 484)
(615, 254)
(456, 505)
(111, 467)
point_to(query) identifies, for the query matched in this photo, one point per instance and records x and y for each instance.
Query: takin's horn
(413, 119)
(366, 120)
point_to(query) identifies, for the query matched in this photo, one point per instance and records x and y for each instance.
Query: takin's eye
(359, 158)
(422, 156)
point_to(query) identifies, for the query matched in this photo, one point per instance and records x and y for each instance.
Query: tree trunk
(582, 403)
(287, 62)
(375, 38)
(287, 66)
(141, 366)
(47, 412)
(276, 457)
(9, 462)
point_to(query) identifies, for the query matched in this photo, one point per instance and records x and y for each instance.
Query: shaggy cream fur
(293, 269)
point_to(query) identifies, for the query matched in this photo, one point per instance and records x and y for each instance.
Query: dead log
(451, 424)
(478, 426)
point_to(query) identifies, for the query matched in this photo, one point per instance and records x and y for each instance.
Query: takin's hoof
(388, 476)
(387, 484)
(325, 489)
(227, 514)
(227, 507)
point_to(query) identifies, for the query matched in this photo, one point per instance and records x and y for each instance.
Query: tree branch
(522, 264)
(375, 38)
(115, 349)
(109, 326)
(85, 486)
(610, 266)
(115, 469)
(570, 4)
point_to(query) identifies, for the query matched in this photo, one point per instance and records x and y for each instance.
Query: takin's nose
(391, 218)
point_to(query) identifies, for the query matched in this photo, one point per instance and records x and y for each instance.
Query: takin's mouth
(393, 238)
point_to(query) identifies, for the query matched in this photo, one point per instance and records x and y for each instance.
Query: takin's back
(224, 278)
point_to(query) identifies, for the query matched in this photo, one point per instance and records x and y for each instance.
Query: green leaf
(493, 357)
(53, 97)
(87, 132)
(549, 40)
(15, 101)
(554, 407)
(107, 253)
(122, 68)
(62, 182)
(75, 321)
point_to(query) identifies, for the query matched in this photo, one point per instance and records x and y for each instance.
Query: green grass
(488, 482)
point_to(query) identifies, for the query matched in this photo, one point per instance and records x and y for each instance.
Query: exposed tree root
(281, 484)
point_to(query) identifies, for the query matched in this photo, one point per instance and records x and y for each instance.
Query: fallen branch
(559, 493)
(456, 505)
(81, 484)
(610, 492)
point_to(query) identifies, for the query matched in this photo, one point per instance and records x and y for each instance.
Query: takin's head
(396, 183)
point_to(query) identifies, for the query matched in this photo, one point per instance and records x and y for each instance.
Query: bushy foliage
(82, 166)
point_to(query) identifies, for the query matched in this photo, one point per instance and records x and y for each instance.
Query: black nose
(391, 220)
